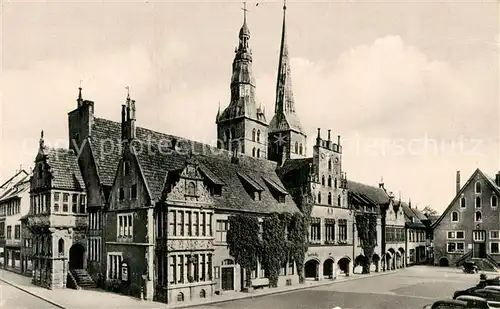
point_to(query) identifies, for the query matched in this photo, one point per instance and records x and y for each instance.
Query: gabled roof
(409, 214)
(105, 141)
(254, 184)
(19, 176)
(15, 191)
(419, 214)
(376, 194)
(63, 166)
(459, 194)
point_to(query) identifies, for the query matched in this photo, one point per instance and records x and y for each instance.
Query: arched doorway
(398, 259)
(76, 256)
(344, 264)
(359, 261)
(328, 268)
(311, 269)
(443, 262)
(403, 257)
(388, 261)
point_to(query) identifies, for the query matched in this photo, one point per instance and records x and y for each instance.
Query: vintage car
(482, 284)
(447, 304)
(475, 302)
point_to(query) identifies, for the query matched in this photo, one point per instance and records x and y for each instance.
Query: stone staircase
(485, 265)
(83, 278)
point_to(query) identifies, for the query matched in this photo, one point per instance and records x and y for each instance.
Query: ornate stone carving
(179, 191)
(190, 244)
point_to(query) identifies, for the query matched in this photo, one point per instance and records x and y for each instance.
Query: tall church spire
(237, 121)
(286, 136)
(285, 116)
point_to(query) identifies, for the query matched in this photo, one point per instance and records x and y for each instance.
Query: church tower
(242, 126)
(287, 139)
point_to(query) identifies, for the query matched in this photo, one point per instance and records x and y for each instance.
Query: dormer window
(282, 198)
(191, 189)
(257, 196)
(276, 189)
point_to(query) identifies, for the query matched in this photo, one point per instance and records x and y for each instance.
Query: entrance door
(227, 278)
(479, 246)
(76, 256)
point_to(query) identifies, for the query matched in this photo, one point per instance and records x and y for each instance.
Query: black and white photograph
(323, 154)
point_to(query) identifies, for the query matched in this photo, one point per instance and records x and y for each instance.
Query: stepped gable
(63, 167)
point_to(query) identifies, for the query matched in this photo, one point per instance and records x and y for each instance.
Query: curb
(298, 288)
(32, 294)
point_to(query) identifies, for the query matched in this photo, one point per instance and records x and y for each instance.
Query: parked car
(491, 295)
(475, 302)
(482, 284)
(470, 267)
(447, 304)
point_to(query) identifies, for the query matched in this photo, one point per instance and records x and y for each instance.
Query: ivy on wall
(275, 245)
(366, 224)
(244, 243)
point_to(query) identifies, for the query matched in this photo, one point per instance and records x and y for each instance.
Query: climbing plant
(366, 224)
(275, 245)
(299, 235)
(244, 243)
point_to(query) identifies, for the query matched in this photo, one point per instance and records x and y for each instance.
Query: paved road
(410, 288)
(13, 298)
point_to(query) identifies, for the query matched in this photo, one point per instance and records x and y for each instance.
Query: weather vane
(245, 10)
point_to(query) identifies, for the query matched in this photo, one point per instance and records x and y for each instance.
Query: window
(478, 217)
(478, 187)
(300, 148)
(329, 231)
(258, 136)
(126, 168)
(172, 269)
(296, 147)
(60, 246)
(455, 247)
(494, 201)
(258, 153)
(253, 152)
(121, 194)
(133, 192)
(323, 180)
(253, 135)
(125, 225)
(343, 231)
(335, 183)
(494, 248)
(74, 203)
(451, 235)
(329, 198)
(191, 189)
(494, 235)
(462, 202)
(17, 232)
(114, 266)
(319, 197)
(82, 203)
(65, 202)
(478, 202)
(478, 235)
(339, 201)
(221, 230)
(2, 229)
(454, 216)
(9, 232)
(330, 164)
(315, 230)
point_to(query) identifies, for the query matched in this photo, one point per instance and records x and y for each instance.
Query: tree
(429, 211)
(366, 224)
(275, 245)
(244, 243)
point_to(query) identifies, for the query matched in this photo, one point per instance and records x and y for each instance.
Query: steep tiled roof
(157, 160)
(375, 194)
(292, 165)
(16, 191)
(409, 214)
(234, 195)
(19, 176)
(106, 141)
(419, 214)
(63, 166)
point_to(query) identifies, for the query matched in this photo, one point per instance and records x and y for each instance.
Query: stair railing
(464, 257)
(492, 261)
(72, 283)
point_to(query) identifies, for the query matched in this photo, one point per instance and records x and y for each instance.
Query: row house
(394, 234)
(14, 203)
(468, 228)
(417, 244)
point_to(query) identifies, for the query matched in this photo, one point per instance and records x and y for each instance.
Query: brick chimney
(458, 182)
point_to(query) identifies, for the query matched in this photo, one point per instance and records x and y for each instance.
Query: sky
(411, 87)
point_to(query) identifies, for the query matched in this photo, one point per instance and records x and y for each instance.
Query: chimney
(123, 122)
(318, 139)
(381, 183)
(329, 140)
(458, 182)
(132, 121)
(497, 179)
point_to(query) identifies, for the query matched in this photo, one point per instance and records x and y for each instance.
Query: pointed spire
(42, 141)
(80, 98)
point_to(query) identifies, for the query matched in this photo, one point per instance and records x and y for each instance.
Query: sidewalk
(95, 299)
